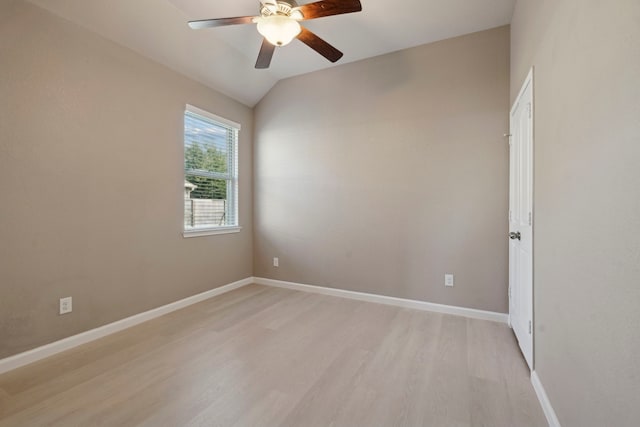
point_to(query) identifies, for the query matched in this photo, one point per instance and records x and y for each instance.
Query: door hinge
(529, 327)
(510, 215)
(509, 292)
(529, 218)
(529, 109)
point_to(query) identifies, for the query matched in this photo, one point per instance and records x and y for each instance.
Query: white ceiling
(224, 58)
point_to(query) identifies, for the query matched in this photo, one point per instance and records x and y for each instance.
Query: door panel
(521, 220)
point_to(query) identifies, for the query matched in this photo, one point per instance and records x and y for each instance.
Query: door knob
(514, 236)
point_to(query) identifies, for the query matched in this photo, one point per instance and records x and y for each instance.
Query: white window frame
(232, 196)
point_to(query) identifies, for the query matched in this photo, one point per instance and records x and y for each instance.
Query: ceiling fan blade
(319, 45)
(220, 22)
(265, 55)
(323, 8)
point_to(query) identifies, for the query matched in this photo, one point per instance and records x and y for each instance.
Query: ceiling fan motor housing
(285, 8)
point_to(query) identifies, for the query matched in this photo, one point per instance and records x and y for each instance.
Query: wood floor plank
(392, 381)
(269, 411)
(355, 409)
(413, 412)
(297, 304)
(489, 404)
(261, 356)
(448, 395)
(320, 404)
(483, 351)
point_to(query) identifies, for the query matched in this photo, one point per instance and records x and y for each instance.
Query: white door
(521, 219)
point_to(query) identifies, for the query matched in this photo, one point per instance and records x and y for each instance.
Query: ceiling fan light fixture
(279, 30)
(278, 24)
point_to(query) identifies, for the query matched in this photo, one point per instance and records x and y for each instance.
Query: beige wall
(586, 56)
(91, 182)
(385, 174)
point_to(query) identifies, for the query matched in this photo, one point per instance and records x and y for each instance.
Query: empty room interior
(329, 213)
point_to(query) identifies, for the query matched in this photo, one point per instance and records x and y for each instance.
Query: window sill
(201, 232)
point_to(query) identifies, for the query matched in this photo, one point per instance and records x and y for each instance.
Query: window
(210, 174)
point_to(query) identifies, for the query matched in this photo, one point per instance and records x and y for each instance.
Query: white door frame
(526, 86)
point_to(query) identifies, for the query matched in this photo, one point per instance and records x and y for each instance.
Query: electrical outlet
(66, 305)
(448, 280)
(276, 262)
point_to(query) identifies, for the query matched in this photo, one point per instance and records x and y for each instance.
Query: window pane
(205, 202)
(206, 188)
(206, 145)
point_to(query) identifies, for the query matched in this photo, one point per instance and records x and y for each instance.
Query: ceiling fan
(278, 24)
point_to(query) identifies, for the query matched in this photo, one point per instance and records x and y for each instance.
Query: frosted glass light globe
(279, 30)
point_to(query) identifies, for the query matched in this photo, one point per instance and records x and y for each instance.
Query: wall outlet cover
(448, 280)
(66, 305)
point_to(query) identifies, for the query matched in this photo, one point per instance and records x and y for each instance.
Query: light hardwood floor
(261, 356)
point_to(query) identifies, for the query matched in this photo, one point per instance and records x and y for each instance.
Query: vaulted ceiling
(224, 58)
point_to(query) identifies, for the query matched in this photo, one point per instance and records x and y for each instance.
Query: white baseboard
(381, 299)
(552, 419)
(30, 356)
